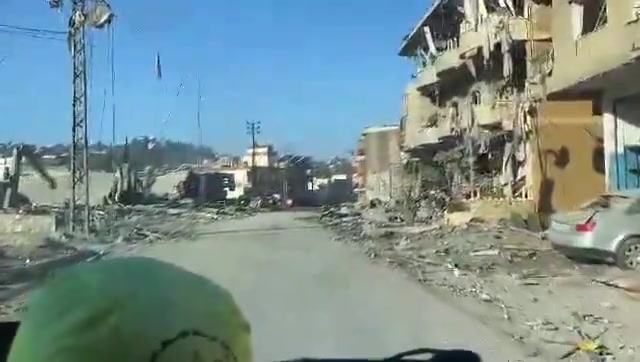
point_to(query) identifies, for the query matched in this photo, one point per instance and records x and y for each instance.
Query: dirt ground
(511, 279)
(30, 248)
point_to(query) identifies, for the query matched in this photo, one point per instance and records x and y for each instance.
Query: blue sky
(313, 72)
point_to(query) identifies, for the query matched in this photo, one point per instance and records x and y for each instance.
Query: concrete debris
(156, 222)
(508, 275)
(29, 256)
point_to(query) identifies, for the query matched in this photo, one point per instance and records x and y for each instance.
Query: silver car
(607, 229)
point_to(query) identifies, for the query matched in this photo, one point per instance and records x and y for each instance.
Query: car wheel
(628, 255)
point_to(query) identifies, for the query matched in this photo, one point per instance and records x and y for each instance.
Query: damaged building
(479, 100)
(597, 45)
(382, 164)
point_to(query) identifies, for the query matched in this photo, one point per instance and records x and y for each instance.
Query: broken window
(635, 11)
(589, 15)
(476, 98)
(518, 6)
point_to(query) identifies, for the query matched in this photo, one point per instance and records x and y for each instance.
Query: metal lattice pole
(79, 141)
(99, 17)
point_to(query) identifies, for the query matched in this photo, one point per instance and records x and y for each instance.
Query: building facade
(596, 50)
(382, 162)
(266, 156)
(488, 83)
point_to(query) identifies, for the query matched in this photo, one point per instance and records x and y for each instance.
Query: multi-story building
(484, 69)
(596, 50)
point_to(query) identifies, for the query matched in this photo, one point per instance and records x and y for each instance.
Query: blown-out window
(476, 98)
(588, 16)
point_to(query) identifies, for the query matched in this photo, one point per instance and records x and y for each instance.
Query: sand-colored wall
(568, 162)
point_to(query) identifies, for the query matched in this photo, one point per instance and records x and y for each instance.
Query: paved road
(308, 296)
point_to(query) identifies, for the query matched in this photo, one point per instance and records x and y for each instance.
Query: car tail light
(586, 227)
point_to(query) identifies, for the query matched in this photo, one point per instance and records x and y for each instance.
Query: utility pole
(253, 129)
(79, 141)
(79, 156)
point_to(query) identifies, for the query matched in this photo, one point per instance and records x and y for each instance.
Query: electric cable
(33, 30)
(89, 88)
(166, 119)
(104, 107)
(31, 35)
(113, 83)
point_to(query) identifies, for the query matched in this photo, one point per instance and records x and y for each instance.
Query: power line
(90, 49)
(169, 114)
(31, 35)
(104, 107)
(33, 30)
(198, 122)
(113, 83)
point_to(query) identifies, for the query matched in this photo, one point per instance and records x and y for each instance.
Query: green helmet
(131, 310)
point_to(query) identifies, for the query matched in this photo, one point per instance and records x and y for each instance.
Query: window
(405, 105)
(609, 201)
(594, 15)
(634, 208)
(476, 98)
(635, 11)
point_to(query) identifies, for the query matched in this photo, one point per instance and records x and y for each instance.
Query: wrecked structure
(204, 187)
(296, 176)
(478, 104)
(382, 162)
(128, 188)
(12, 172)
(596, 50)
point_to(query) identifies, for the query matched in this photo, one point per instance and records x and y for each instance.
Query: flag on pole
(158, 67)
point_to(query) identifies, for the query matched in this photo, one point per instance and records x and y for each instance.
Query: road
(308, 296)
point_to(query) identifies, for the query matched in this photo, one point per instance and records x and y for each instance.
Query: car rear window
(610, 201)
(634, 208)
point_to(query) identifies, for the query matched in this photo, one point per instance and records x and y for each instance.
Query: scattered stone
(519, 281)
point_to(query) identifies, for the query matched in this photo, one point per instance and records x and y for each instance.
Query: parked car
(605, 229)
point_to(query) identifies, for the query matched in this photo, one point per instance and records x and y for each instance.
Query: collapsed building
(479, 100)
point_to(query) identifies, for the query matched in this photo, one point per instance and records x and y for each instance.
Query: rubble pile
(27, 257)
(154, 223)
(508, 277)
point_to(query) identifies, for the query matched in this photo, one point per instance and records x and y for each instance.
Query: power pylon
(99, 16)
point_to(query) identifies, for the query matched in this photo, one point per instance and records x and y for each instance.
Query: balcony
(596, 60)
(584, 69)
(471, 40)
(485, 116)
(426, 78)
(426, 136)
(421, 125)
(523, 29)
(448, 61)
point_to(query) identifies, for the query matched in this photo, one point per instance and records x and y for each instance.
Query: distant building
(227, 161)
(382, 162)
(266, 156)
